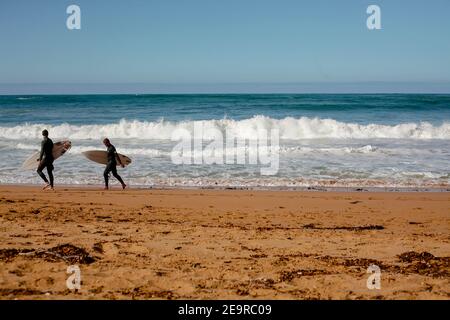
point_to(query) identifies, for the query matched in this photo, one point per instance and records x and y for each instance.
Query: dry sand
(223, 244)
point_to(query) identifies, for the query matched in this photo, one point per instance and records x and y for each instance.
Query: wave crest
(289, 128)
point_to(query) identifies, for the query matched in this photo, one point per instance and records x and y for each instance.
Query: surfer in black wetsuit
(46, 160)
(111, 166)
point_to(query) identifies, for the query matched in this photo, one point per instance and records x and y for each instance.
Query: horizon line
(124, 88)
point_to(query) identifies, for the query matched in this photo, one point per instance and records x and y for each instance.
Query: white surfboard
(101, 156)
(59, 148)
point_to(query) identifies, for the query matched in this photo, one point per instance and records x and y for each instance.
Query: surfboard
(101, 157)
(59, 149)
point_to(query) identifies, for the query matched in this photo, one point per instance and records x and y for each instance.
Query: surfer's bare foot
(124, 186)
(105, 188)
(46, 187)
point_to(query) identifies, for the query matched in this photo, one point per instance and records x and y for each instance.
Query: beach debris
(412, 256)
(250, 249)
(102, 217)
(65, 252)
(242, 292)
(265, 283)
(424, 263)
(8, 254)
(348, 262)
(19, 292)
(352, 228)
(142, 293)
(361, 262)
(243, 288)
(258, 256)
(98, 247)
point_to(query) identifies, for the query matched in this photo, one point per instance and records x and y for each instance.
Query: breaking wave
(289, 128)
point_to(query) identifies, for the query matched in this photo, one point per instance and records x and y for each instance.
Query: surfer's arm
(118, 158)
(42, 151)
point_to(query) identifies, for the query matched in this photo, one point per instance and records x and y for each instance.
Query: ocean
(325, 140)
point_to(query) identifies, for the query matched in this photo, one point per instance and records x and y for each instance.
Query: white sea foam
(289, 128)
(152, 152)
(25, 98)
(358, 157)
(81, 149)
(367, 149)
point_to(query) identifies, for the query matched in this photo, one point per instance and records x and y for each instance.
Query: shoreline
(244, 188)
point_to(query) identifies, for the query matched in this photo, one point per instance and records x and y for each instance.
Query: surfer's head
(106, 142)
(45, 133)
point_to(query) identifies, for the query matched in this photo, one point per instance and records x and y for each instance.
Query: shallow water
(325, 140)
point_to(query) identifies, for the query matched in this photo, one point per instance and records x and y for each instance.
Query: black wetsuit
(46, 160)
(111, 166)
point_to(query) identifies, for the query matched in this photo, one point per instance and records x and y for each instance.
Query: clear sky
(224, 45)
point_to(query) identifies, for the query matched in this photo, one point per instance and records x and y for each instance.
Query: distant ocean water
(326, 140)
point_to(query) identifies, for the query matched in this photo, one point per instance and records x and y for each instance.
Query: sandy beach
(223, 244)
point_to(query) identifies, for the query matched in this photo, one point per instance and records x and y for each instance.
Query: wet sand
(223, 244)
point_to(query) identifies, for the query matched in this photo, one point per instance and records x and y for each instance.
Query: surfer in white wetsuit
(111, 166)
(46, 160)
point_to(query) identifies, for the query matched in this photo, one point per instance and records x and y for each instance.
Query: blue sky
(242, 45)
